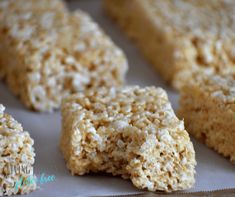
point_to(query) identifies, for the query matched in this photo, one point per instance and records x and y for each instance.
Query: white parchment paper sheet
(213, 171)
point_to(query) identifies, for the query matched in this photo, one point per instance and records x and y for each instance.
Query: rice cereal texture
(207, 105)
(46, 54)
(178, 36)
(9, 6)
(16, 157)
(132, 132)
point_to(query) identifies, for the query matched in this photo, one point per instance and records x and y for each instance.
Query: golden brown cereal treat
(8, 7)
(207, 105)
(47, 55)
(180, 35)
(132, 132)
(16, 157)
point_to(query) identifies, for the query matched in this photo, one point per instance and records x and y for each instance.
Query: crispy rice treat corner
(207, 105)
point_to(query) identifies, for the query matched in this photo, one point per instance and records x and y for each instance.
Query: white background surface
(213, 171)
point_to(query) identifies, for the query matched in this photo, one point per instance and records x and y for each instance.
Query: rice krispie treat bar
(16, 157)
(9, 6)
(176, 41)
(207, 105)
(46, 55)
(132, 132)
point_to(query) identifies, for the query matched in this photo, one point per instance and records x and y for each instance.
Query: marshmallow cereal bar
(16, 157)
(207, 105)
(179, 36)
(46, 54)
(132, 132)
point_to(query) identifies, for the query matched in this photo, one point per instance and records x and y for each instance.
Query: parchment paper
(213, 171)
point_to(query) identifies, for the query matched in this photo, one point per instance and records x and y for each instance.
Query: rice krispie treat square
(178, 35)
(132, 132)
(46, 55)
(207, 105)
(16, 157)
(9, 6)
